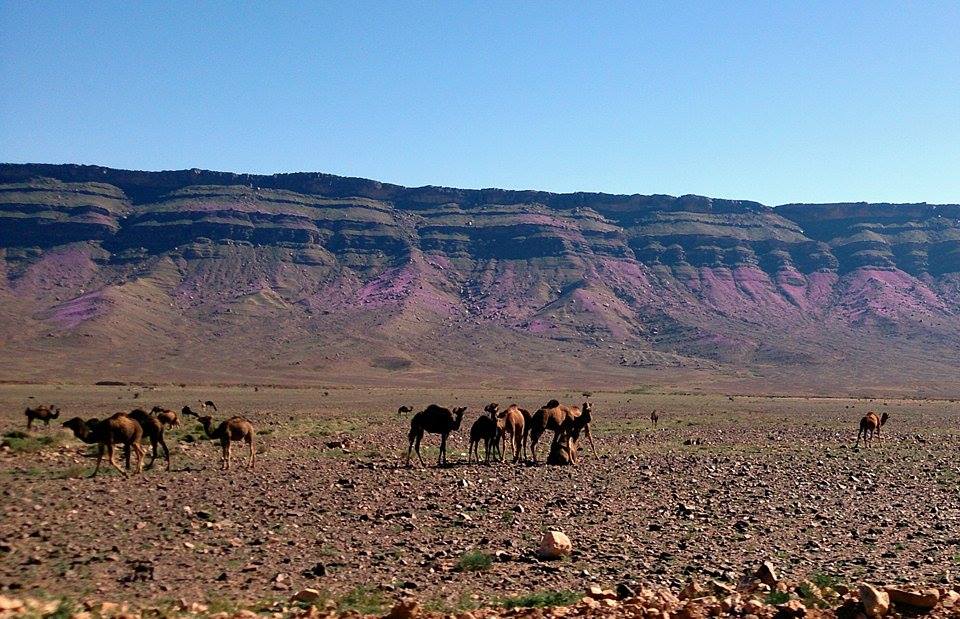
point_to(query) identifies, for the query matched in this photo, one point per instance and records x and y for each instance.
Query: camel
(513, 423)
(43, 413)
(486, 428)
(233, 429)
(556, 417)
(654, 418)
(152, 429)
(166, 416)
(204, 405)
(570, 433)
(403, 410)
(118, 429)
(434, 420)
(870, 424)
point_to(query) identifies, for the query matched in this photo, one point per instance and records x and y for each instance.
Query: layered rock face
(312, 277)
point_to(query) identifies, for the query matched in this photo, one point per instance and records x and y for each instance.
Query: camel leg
(253, 452)
(470, 451)
(420, 438)
(225, 456)
(442, 458)
(99, 460)
(126, 456)
(153, 452)
(29, 423)
(593, 448)
(409, 449)
(139, 449)
(859, 434)
(534, 439)
(113, 462)
(166, 452)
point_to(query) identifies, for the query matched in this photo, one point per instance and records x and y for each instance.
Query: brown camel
(42, 413)
(435, 420)
(403, 410)
(571, 429)
(166, 416)
(488, 429)
(204, 405)
(116, 430)
(556, 417)
(152, 429)
(233, 429)
(870, 424)
(654, 418)
(513, 423)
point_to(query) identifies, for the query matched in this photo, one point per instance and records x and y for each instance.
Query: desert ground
(724, 483)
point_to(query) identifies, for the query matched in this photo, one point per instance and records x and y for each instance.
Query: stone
(307, 596)
(555, 545)
(404, 609)
(926, 599)
(767, 574)
(876, 603)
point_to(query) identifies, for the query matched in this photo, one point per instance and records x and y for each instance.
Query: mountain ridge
(346, 279)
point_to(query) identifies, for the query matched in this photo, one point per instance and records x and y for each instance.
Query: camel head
(54, 412)
(458, 416)
(492, 408)
(77, 426)
(186, 411)
(586, 409)
(205, 421)
(883, 418)
(157, 409)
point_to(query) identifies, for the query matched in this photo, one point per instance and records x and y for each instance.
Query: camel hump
(552, 404)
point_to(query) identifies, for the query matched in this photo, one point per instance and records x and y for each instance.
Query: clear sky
(778, 101)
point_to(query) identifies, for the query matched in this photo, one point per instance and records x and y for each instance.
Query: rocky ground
(721, 486)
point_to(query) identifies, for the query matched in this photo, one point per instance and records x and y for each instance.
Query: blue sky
(775, 101)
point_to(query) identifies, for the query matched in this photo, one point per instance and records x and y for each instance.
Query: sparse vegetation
(363, 600)
(474, 561)
(540, 599)
(20, 442)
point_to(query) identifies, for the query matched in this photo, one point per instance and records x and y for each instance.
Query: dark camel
(486, 429)
(152, 429)
(403, 410)
(435, 420)
(654, 419)
(116, 430)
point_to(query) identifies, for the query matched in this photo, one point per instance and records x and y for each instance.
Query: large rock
(767, 574)
(925, 599)
(554, 545)
(876, 602)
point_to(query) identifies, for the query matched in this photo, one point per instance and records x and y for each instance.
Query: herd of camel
(128, 429)
(495, 428)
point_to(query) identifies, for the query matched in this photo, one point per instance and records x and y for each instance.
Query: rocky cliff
(314, 278)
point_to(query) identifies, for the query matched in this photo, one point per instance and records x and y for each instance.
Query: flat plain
(723, 483)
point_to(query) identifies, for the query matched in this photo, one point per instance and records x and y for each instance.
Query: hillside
(198, 276)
